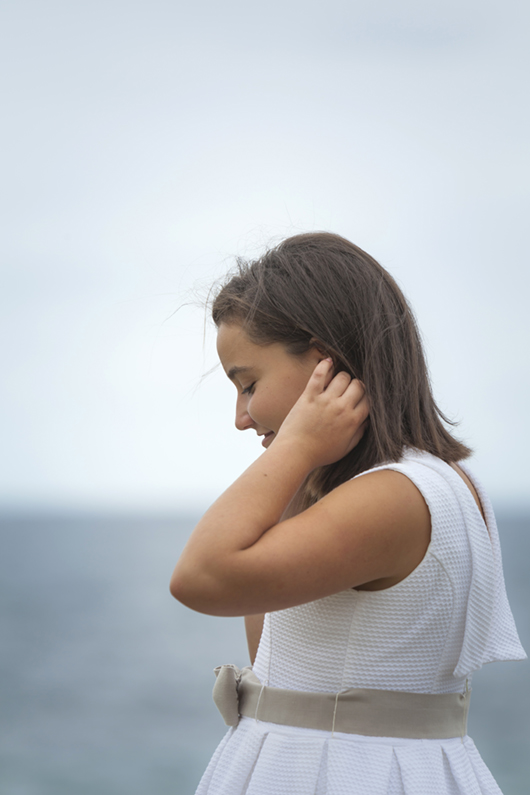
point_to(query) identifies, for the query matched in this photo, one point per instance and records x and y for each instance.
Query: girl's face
(269, 379)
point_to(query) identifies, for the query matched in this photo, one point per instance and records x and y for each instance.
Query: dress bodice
(428, 633)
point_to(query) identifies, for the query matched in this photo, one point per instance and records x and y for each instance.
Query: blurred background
(144, 145)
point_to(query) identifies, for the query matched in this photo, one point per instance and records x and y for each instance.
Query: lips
(267, 439)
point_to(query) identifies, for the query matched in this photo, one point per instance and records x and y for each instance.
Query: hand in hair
(329, 418)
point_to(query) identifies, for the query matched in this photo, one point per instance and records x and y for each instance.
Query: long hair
(320, 289)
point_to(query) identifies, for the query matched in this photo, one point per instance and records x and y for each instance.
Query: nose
(243, 418)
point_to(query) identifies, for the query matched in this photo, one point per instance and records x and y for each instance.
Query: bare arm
(242, 559)
(322, 427)
(254, 628)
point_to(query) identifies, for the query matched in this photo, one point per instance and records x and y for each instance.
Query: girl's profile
(359, 547)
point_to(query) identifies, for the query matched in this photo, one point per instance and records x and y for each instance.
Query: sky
(144, 145)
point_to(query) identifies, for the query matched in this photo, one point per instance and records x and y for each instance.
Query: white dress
(427, 634)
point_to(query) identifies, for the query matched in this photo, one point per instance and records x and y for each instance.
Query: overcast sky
(145, 144)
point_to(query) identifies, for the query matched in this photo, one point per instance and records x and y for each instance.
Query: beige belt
(374, 713)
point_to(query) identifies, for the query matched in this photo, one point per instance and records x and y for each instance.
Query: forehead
(237, 351)
(232, 340)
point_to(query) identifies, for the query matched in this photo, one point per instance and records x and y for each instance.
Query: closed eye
(249, 389)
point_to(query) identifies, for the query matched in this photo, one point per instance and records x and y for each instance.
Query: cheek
(295, 388)
(265, 409)
(255, 408)
(271, 410)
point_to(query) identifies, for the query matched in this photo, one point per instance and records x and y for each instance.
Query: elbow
(187, 582)
(183, 588)
(201, 593)
(175, 588)
(180, 591)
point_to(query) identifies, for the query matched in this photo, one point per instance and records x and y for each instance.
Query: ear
(319, 346)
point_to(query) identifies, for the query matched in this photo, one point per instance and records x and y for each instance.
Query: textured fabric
(226, 692)
(372, 713)
(427, 634)
(267, 759)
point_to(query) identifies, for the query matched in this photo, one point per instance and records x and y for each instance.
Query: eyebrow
(236, 370)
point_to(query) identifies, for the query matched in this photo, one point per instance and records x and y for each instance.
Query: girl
(361, 551)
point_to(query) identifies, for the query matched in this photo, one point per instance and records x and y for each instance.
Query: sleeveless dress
(427, 634)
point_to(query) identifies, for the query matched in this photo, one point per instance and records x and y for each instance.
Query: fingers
(340, 385)
(321, 377)
(355, 387)
(356, 395)
(350, 391)
(344, 385)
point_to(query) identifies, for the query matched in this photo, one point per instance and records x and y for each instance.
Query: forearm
(242, 514)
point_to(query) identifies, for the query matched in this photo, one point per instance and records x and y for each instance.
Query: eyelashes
(249, 389)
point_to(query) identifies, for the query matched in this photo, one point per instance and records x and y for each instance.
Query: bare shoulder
(389, 507)
(369, 533)
(388, 484)
(383, 497)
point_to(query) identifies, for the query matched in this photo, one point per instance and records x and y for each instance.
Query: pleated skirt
(258, 758)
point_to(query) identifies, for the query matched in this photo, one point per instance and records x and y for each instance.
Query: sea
(106, 680)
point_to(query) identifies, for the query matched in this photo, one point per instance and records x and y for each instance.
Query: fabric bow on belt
(225, 692)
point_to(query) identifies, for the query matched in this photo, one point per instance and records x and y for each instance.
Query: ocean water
(106, 680)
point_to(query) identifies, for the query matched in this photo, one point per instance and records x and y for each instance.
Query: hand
(329, 418)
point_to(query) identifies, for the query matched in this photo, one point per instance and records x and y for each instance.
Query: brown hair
(319, 288)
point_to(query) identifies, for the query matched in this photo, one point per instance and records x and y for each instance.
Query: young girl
(363, 554)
